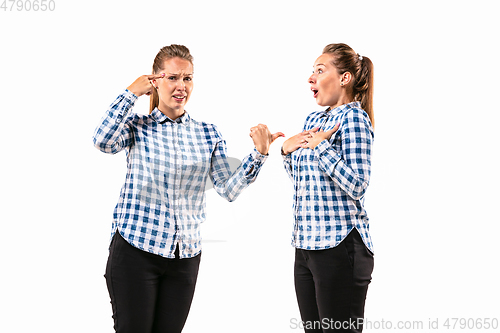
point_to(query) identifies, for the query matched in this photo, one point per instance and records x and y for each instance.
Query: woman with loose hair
(329, 165)
(155, 236)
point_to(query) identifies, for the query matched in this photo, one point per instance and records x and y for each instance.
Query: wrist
(262, 151)
(133, 91)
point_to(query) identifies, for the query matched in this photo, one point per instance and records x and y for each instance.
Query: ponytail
(363, 87)
(154, 100)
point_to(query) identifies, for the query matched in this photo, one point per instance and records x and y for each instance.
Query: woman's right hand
(295, 142)
(144, 85)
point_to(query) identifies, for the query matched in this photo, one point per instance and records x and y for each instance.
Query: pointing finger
(155, 76)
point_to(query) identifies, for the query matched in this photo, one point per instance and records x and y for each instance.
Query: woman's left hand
(315, 137)
(262, 138)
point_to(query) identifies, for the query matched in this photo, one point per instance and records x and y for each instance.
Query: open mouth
(315, 92)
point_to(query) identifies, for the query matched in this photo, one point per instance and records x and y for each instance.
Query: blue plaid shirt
(330, 180)
(162, 202)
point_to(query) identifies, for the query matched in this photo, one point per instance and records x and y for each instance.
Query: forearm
(111, 136)
(353, 181)
(287, 163)
(229, 186)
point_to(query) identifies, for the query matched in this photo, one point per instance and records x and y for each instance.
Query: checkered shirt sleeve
(227, 184)
(162, 202)
(330, 181)
(114, 134)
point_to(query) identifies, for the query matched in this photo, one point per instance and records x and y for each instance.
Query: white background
(432, 201)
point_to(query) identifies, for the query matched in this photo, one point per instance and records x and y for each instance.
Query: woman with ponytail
(155, 235)
(329, 164)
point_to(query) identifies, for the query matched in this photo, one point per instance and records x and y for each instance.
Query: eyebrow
(319, 65)
(180, 74)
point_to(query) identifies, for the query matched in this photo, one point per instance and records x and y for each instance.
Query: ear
(346, 78)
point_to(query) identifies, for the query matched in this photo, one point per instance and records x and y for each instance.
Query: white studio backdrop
(433, 195)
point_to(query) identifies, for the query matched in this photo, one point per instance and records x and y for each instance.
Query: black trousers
(149, 293)
(331, 285)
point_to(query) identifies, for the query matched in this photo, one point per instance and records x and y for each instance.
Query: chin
(177, 107)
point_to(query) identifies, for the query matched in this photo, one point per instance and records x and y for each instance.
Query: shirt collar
(342, 107)
(162, 118)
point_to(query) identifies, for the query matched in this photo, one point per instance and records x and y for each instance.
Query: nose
(312, 79)
(181, 85)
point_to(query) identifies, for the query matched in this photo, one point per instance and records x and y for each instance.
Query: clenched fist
(262, 138)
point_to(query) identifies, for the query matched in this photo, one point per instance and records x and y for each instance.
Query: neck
(344, 99)
(171, 113)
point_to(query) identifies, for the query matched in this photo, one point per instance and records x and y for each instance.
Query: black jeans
(331, 285)
(149, 293)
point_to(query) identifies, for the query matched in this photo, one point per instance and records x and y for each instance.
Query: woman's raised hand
(307, 139)
(294, 143)
(144, 85)
(262, 138)
(316, 136)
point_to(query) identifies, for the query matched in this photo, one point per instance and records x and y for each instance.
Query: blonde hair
(361, 69)
(165, 53)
